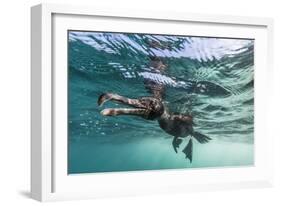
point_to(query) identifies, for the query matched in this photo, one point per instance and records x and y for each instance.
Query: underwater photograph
(141, 102)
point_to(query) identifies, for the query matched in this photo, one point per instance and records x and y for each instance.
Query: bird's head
(146, 107)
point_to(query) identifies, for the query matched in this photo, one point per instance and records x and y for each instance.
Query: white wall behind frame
(15, 110)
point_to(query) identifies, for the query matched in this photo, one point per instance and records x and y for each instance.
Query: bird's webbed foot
(176, 143)
(188, 150)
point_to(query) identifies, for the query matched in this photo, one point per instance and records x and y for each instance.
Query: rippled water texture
(222, 105)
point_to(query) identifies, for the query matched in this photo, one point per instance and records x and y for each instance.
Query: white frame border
(42, 86)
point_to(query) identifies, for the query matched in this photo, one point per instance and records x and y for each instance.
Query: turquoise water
(120, 63)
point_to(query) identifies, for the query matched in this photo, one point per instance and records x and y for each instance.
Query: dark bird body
(153, 108)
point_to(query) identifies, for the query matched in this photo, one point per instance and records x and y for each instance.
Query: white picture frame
(49, 180)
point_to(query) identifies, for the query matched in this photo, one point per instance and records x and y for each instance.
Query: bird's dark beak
(138, 110)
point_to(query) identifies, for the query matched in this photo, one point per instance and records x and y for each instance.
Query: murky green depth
(119, 63)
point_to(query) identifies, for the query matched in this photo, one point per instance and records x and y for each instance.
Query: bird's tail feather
(201, 138)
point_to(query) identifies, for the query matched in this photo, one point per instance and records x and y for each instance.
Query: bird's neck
(166, 115)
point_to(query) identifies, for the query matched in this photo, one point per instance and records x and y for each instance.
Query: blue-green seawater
(119, 63)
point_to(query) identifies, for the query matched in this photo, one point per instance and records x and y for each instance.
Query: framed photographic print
(137, 102)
